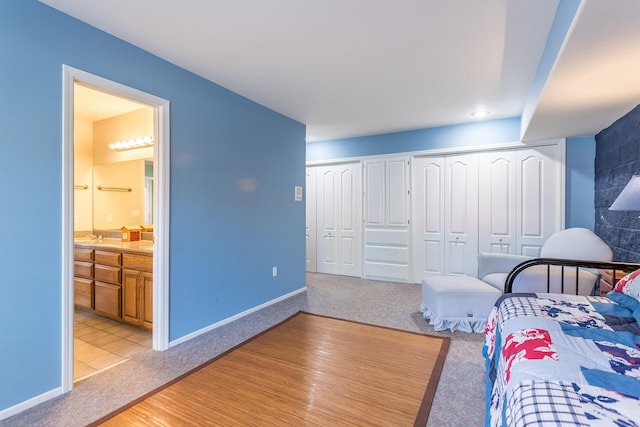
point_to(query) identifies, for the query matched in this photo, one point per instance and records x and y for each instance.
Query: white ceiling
(359, 67)
(92, 105)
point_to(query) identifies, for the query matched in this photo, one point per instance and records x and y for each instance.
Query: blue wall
(224, 238)
(472, 134)
(580, 187)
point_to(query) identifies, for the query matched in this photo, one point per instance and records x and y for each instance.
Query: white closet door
(497, 201)
(461, 214)
(428, 217)
(310, 214)
(339, 207)
(539, 204)
(386, 219)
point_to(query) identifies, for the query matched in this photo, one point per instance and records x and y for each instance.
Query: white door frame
(161, 210)
(311, 219)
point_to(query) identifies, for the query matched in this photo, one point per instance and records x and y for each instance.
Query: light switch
(298, 193)
(135, 213)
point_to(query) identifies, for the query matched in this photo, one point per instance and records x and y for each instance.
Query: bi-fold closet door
(520, 199)
(445, 215)
(339, 219)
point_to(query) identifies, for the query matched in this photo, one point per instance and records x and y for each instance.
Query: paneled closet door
(428, 217)
(539, 204)
(386, 219)
(339, 219)
(461, 214)
(310, 224)
(497, 201)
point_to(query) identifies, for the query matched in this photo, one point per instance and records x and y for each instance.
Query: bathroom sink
(85, 240)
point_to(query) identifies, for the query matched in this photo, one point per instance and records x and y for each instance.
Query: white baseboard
(30, 403)
(234, 317)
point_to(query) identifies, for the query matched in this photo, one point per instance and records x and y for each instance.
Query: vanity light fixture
(145, 141)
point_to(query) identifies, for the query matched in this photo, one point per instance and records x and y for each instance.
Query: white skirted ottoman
(457, 302)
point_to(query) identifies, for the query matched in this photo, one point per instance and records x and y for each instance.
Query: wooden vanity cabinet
(108, 280)
(83, 278)
(115, 284)
(137, 289)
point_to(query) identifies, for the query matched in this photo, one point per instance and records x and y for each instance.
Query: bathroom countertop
(142, 246)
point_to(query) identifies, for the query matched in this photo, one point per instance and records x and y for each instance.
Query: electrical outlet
(275, 271)
(135, 213)
(109, 218)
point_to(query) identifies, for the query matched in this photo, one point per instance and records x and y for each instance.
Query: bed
(565, 360)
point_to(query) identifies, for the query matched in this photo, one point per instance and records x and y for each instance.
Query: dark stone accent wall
(617, 160)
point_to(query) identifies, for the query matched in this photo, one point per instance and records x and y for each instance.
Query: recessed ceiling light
(480, 113)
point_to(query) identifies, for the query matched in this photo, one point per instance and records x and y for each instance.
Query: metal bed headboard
(563, 263)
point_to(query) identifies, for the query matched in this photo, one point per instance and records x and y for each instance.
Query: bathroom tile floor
(101, 343)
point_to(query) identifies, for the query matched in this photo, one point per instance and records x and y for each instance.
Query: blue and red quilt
(563, 360)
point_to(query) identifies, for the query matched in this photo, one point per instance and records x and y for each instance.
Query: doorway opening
(115, 224)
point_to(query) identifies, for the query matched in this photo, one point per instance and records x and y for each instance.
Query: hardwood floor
(308, 370)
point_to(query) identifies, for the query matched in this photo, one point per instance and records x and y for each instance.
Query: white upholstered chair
(572, 243)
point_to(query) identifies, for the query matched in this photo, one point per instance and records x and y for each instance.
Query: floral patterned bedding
(563, 360)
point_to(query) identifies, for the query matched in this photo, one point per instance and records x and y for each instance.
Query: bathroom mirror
(122, 194)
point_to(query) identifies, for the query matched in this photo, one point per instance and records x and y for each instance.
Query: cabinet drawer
(107, 258)
(83, 254)
(83, 269)
(82, 292)
(107, 298)
(107, 273)
(138, 262)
